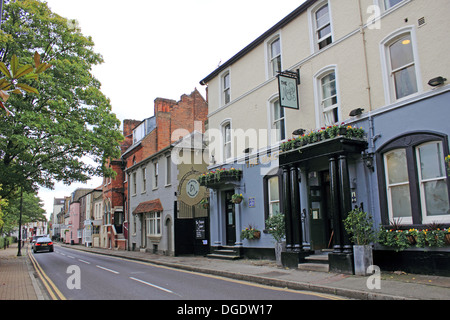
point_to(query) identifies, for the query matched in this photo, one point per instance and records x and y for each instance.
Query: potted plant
(250, 233)
(237, 198)
(275, 226)
(359, 225)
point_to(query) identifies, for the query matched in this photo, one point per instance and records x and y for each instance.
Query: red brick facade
(187, 115)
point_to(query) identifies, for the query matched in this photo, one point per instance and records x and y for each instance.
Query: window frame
(410, 142)
(278, 174)
(389, 82)
(226, 144)
(319, 98)
(155, 174)
(270, 72)
(425, 217)
(274, 137)
(168, 170)
(153, 224)
(225, 89)
(314, 29)
(144, 179)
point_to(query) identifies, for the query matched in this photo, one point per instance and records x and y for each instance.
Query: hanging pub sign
(288, 83)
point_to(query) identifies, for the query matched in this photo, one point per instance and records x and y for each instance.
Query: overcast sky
(162, 48)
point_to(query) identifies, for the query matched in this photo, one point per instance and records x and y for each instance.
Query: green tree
(33, 210)
(52, 132)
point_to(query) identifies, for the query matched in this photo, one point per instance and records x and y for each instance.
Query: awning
(149, 206)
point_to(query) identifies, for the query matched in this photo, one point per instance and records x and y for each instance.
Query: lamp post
(19, 253)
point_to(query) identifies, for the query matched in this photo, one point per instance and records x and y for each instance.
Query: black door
(319, 215)
(230, 217)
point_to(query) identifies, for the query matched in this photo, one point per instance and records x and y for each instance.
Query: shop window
(415, 187)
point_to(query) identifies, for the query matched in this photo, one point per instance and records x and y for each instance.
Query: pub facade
(368, 129)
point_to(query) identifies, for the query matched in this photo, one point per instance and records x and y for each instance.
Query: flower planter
(237, 201)
(257, 235)
(363, 258)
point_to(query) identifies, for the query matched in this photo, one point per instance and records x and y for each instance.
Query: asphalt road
(85, 276)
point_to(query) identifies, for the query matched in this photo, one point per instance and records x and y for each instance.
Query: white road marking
(106, 269)
(151, 285)
(84, 261)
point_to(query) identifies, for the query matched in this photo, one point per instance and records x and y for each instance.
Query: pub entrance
(230, 217)
(320, 218)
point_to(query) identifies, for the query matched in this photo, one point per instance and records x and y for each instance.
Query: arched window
(414, 188)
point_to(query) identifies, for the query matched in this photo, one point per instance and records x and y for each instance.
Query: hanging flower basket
(204, 203)
(237, 198)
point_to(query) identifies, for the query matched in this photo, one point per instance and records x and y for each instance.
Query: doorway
(320, 214)
(230, 217)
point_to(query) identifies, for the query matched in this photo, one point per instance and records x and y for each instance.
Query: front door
(230, 217)
(319, 214)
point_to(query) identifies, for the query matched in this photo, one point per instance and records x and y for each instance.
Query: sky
(162, 49)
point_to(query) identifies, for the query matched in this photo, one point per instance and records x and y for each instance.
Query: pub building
(332, 64)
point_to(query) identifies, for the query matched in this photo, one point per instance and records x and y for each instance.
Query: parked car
(43, 244)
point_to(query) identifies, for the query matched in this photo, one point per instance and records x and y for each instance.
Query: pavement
(18, 278)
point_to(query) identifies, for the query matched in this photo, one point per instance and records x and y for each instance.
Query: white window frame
(402, 220)
(153, 221)
(382, 4)
(314, 41)
(425, 217)
(225, 89)
(269, 58)
(133, 183)
(388, 81)
(274, 137)
(226, 144)
(318, 94)
(144, 179)
(168, 170)
(155, 174)
(270, 202)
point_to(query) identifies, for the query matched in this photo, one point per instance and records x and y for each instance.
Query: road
(79, 275)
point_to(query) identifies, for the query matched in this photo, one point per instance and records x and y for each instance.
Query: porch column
(287, 206)
(334, 206)
(295, 211)
(346, 201)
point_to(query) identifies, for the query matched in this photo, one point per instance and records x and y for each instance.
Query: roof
(149, 206)
(294, 14)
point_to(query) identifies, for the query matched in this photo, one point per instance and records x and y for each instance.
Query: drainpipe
(363, 34)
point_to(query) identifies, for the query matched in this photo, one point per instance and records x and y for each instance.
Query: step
(319, 267)
(317, 258)
(223, 256)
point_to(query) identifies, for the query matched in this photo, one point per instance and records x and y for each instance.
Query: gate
(191, 229)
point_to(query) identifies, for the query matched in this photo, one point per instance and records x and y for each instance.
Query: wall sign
(288, 89)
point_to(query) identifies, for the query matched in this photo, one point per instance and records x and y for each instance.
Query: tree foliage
(52, 133)
(33, 210)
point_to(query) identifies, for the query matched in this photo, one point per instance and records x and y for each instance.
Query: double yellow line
(54, 292)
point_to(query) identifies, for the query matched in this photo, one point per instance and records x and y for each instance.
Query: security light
(437, 81)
